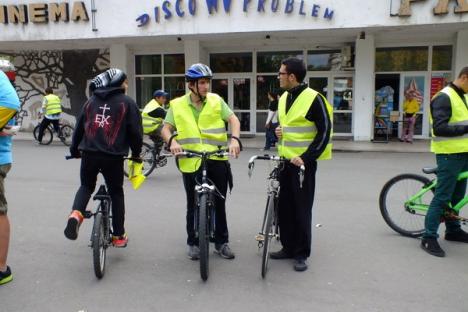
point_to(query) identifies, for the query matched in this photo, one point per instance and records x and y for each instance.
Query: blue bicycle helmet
(159, 93)
(198, 71)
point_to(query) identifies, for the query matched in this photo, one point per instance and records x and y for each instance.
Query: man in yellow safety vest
(199, 118)
(52, 110)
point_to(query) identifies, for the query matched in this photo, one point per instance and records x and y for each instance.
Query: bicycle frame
(414, 205)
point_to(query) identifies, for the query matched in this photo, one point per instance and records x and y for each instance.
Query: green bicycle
(405, 199)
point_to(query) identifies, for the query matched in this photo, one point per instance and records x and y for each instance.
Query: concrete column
(364, 88)
(119, 56)
(461, 51)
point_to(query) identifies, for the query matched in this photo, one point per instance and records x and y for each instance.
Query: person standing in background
(272, 121)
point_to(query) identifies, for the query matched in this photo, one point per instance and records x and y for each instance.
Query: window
(150, 76)
(231, 62)
(442, 58)
(324, 60)
(270, 62)
(401, 59)
(265, 83)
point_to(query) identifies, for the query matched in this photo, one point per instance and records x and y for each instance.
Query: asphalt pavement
(358, 263)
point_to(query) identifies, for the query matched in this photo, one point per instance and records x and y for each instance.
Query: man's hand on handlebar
(175, 148)
(234, 148)
(297, 161)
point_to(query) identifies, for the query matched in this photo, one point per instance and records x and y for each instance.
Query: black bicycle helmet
(198, 71)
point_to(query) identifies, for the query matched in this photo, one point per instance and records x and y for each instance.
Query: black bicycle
(205, 191)
(65, 134)
(101, 235)
(152, 156)
(270, 229)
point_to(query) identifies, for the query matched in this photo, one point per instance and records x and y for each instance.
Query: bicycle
(101, 235)
(270, 229)
(405, 199)
(151, 156)
(205, 223)
(65, 134)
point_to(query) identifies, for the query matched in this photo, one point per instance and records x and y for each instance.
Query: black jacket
(109, 124)
(441, 111)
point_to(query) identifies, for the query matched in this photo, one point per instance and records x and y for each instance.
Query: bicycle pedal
(259, 237)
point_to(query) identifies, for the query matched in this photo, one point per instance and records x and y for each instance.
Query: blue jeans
(270, 136)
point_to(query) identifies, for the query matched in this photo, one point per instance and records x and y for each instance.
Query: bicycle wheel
(66, 134)
(392, 200)
(149, 160)
(46, 137)
(203, 236)
(267, 234)
(99, 246)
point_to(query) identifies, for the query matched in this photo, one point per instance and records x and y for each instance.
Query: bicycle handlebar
(274, 158)
(190, 153)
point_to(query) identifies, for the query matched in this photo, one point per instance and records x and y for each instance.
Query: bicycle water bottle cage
(101, 193)
(430, 170)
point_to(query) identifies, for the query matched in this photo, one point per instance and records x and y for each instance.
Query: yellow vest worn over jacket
(150, 123)
(298, 132)
(458, 144)
(53, 105)
(206, 135)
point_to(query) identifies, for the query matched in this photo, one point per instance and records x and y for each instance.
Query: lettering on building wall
(441, 8)
(43, 13)
(182, 8)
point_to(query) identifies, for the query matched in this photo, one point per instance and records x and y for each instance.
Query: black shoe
(432, 247)
(282, 254)
(300, 265)
(6, 277)
(458, 236)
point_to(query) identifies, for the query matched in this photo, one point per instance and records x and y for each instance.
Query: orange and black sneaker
(6, 276)
(120, 241)
(74, 221)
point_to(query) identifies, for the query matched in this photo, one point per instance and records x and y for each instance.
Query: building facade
(365, 56)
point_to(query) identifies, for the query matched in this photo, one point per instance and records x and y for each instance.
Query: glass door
(236, 89)
(413, 86)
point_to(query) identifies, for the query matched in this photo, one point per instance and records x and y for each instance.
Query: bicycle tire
(267, 235)
(391, 201)
(203, 236)
(149, 160)
(66, 132)
(99, 246)
(47, 136)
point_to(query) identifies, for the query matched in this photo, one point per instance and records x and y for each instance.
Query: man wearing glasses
(304, 132)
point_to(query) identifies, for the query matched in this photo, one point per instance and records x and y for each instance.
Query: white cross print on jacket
(102, 119)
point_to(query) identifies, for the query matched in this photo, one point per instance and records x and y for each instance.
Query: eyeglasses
(281, 73)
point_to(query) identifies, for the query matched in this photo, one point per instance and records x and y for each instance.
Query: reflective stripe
(296, 143)
(189, 141)
(300, 129)
(460, 123)
(214, 142)
(215, 130)
(446, 139)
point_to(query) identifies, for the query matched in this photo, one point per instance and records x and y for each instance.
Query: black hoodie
(109, 124)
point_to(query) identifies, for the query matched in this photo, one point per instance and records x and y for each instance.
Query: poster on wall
(414, 89)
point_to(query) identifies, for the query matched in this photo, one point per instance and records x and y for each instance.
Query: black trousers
(218, 172)
(111, 168)
(295, 209)
(44, 123)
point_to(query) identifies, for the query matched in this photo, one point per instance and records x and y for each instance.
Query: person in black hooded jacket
(107, 127)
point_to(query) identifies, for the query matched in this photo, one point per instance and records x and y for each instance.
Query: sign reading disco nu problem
(182, 8)
(43, 12)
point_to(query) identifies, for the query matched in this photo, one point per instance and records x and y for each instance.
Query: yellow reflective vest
(150, 123)
(298, 132)
(53, 105)
(205, 135)
(458, 144)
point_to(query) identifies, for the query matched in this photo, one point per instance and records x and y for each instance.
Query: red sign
(437, 84)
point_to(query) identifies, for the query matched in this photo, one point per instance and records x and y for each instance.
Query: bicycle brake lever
(251, 166)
